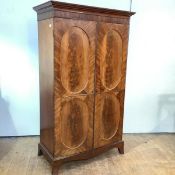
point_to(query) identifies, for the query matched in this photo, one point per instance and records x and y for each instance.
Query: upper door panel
(111, 57)
(74, 56)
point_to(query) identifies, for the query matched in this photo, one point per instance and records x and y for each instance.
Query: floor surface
(145, 154)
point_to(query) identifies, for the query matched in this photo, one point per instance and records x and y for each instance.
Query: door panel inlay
(74, 123)
(110, 115)
(111, 59)
(74, 60)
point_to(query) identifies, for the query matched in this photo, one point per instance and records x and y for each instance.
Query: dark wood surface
(73, 124)
(83, 54)
(53, 9)
(46, 60)
(111, 57)
(76, 7)
(74, 63)
(50, 5)
(57, 162)
(74, 58)
(108, 118)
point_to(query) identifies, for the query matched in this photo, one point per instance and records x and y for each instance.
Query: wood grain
(74, 57)
(83, 54)
(108, 118)
(111, 58)
(54, 9)
(46, 53)
(73, 124)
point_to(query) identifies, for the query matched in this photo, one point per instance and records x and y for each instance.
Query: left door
(74, 58)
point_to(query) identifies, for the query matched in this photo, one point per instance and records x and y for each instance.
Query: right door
(111, 57)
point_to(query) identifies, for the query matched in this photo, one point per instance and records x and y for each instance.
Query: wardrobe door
(108, 118)
(110, 82)
(74, 45)
(73, 124)
(112, 43)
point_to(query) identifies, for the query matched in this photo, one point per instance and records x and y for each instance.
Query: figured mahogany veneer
(83, 54)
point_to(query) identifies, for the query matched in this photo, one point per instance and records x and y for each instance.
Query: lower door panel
(108, 118)
(73, 124)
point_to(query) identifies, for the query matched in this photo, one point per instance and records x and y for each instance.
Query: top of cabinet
(53, 9)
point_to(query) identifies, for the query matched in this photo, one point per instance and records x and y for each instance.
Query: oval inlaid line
(74, 123)
(111, 60)
(74, 60)
(110, 115)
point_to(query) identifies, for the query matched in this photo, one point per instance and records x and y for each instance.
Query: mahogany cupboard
(82, 56)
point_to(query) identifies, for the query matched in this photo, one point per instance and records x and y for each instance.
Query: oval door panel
(110, 115)
(111, 59)
(74, 60)
(74, 123)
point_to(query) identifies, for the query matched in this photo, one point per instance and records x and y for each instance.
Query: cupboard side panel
(46, 55)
